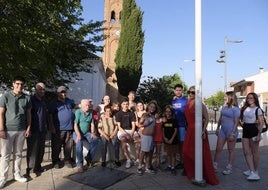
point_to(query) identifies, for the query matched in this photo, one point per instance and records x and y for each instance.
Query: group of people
(115, 125)
(251, 119)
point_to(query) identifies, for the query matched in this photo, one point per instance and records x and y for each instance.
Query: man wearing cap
(61, 122)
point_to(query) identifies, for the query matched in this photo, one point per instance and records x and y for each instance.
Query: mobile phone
(255, 138)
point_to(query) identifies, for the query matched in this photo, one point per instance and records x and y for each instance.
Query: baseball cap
(61, 88)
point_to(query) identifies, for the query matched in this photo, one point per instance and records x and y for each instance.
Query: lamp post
(223, 58)
(187, 60)
(182, 67)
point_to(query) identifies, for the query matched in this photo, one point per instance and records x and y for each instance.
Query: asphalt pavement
(58, 179)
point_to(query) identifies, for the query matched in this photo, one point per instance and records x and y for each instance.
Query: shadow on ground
(99, 177)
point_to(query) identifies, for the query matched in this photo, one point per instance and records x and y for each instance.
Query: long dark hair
(256, 101)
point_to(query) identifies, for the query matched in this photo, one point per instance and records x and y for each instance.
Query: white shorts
(120, 134)
(147, 143)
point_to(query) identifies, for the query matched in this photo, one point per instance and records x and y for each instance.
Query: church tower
(112, 28)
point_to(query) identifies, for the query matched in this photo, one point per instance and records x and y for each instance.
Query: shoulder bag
(265, 126)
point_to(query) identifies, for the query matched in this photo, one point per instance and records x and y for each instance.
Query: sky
(169, 27)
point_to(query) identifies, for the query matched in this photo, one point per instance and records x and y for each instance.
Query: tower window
(112, 17)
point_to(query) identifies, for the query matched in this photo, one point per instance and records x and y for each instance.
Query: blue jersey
(179, 105)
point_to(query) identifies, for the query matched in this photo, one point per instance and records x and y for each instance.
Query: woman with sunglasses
(189, 143)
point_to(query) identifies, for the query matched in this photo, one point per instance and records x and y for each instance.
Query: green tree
(45, 40)
(159, 89)
(215, 100)
(128, 58)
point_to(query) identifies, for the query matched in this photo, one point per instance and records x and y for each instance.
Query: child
(107, 128)
(115, 108)
(158, 139)
(139, 111)
(147, 122)
(170, 138)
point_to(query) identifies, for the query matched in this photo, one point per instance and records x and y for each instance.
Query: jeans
(14, 141)
(79, 148)
(115, 147)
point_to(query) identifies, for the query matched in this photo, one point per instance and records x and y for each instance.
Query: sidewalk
(57, 179)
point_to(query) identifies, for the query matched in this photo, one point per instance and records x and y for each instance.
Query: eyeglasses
(190, 92)
(19, 83)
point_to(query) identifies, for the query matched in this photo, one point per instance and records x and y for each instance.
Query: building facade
(255, 83)
(92, 85)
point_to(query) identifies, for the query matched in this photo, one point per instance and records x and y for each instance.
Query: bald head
(40, 89)
(85, 105)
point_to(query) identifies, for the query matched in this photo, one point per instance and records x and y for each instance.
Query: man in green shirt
(15, 122)
(84, 130)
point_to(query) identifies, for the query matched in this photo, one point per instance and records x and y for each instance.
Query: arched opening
(112, 17)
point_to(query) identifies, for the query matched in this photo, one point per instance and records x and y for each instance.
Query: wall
(92, 85)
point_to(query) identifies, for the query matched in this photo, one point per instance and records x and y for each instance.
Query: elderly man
(61, 118)
(36, 142)
(84, 130)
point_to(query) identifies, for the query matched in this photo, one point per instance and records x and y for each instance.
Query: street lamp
(182, 68)
(223, 58)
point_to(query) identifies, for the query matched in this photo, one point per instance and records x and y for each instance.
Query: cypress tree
(128, 58)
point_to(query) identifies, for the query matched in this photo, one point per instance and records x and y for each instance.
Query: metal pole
(226, 40)
(225, 63)
(198, 98)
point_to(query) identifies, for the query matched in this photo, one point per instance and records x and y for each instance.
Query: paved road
(57, 179)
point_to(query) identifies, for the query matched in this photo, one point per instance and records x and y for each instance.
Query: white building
(92, 85)
(256, 83)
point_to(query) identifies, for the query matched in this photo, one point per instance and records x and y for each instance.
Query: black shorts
(250, 130)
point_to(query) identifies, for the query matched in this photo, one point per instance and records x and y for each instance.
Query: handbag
(265, 126)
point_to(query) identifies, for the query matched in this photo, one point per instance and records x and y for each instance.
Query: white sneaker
(246, 173)
(228, 170)
(253, 176)
(128, 164)
(215, 166)
(20, 178)
(2, 183)
(136, 162)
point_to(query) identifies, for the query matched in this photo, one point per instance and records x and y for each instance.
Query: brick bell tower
(112, 25)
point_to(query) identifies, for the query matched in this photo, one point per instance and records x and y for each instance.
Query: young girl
(227, 130)
(170, 138)
(158, 139)
(147, 122)
(252, 120)
(139, 111)
(107, 128)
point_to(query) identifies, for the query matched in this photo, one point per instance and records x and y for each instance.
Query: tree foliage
(159, 89)
(45, 40)
(128, 58)
(215, 100)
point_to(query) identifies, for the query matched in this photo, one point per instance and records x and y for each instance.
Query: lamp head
(220, 61)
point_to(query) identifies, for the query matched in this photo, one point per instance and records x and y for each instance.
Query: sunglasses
(190, 92)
